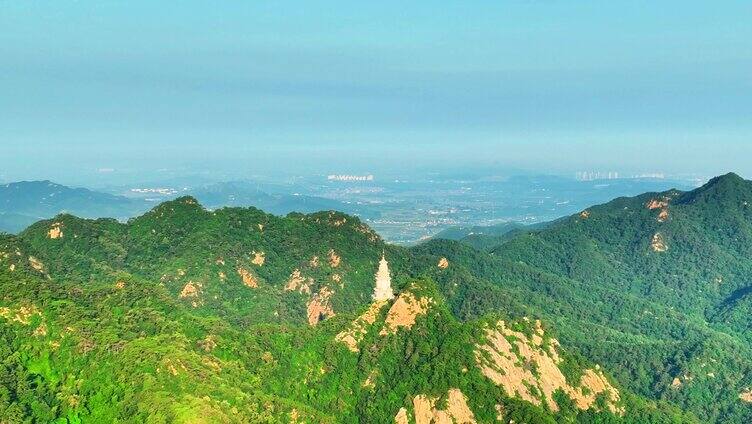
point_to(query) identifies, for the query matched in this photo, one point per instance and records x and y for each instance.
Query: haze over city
(238, 90)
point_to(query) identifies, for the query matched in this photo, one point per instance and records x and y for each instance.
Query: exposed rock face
(746, 396)
(373, 237)
(40, 331)
(585, 214)
(258, 258)
(208, 343)
(298, 283)
(506, 359)
(294, 416)
(334, 259)
(657, 203)
(404, 311)
(658, 244)
(56, 231)
(36, 264)
(661, 204)
(191, 290)
(592, 384)
(21, 315)
(370, 382)
(319, 306)
(352, 336)
(663, 215)
(401, 417)
(383, 290)
(443, 263)
(248, 279)
(426, 411)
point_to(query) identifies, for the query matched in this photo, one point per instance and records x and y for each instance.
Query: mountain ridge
(282, 304)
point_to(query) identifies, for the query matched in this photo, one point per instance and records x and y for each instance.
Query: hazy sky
(259, 86)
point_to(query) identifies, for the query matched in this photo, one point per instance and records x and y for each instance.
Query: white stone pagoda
(383, 289)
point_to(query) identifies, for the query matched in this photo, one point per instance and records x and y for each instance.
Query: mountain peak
(181, 201)
(727, 179)
(723, 188)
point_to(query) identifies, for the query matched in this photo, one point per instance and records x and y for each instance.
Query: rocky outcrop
(663, 215)
(334, 259)
(661, 204)
(319, 307)
(249, 280)
(657, 203)
(56, 231)
(353, 335)
(658, 243)
(208, 343)
(508, 358)
(258, 258)
(36, 264)
(401, 417)
(191, 290)
(427, 410)
(298, 283)
(370, 382)
(404, 312)
(21, 315)
(443, 263)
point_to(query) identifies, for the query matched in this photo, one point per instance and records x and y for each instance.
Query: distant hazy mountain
(13, 222)
(246, 194)
(23, 203)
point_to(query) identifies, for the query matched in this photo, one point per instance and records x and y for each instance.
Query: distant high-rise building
(333, 177)
(596, 175)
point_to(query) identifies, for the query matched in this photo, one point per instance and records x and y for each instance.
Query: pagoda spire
(383, 289)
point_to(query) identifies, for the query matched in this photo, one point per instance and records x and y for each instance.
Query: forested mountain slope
(236, 315)
(126, 349)
(486, 237)
(655, 287)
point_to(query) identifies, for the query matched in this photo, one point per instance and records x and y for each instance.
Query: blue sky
(551, 86)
